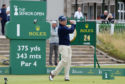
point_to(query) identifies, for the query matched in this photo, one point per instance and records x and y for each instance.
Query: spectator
(3, 17)
(78, 14)
(54, 42)
(8, 13)
(103, 17)
(110, 18)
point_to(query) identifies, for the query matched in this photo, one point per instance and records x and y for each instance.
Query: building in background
(121, 10)
(92, 9)
(55, 8)
(4, 2)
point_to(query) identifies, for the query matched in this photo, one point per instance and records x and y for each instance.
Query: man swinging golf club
(64, 48)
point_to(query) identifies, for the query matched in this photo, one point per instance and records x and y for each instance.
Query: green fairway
(43, 79)
(102, 66)
(89, 66)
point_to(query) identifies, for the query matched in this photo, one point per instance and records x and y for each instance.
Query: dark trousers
(3, 27)
(53, 48)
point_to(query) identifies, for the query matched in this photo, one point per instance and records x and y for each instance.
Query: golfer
(64, 48)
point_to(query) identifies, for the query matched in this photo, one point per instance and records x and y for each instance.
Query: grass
(1, 65)
(43, 79)
(89, 66)
(114, 45)
(102, 66)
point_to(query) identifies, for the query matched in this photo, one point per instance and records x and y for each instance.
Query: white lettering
(26, 64)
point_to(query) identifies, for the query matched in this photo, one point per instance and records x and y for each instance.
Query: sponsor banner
(4, 70)
(91, 71)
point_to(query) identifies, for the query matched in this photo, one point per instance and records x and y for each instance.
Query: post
(69, 8)
(97, 28)
(94, 57)
(116, 9)
(112, 29)
(95, 11)
(103, 6)
(76, 4)
(109, 6)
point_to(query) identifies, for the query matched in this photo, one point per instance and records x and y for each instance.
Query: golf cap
(62, 18)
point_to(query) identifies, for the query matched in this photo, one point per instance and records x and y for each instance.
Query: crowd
(107, 17)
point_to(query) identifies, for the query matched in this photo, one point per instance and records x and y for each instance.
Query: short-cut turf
(74, 79)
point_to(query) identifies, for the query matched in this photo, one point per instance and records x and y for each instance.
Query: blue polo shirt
(63, 33)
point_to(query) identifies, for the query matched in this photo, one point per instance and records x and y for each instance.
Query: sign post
(85, 34)
(27, 31)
